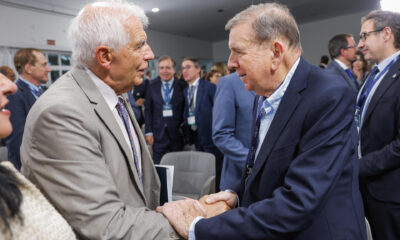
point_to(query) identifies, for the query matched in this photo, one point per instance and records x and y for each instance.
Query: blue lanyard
(366, 91)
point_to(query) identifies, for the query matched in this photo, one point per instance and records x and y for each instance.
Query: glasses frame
(364, 35)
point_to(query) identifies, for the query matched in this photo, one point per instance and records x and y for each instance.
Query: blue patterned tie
(123, 113)
(351, 76)
(37, 92)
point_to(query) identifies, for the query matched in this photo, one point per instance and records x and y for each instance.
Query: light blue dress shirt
(33, 87)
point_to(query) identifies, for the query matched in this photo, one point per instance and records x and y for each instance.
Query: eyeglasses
(364, 35)
(352, 46)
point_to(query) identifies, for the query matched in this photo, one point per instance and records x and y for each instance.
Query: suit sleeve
(79, 182)
(385, 159)
(224, 123)
(325, 146)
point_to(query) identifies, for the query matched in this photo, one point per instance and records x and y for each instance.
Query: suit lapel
(344, 74)
(24, 88)
(289, 102)
(106, 116)
(391, 76)
(200, 95)
(158, 91)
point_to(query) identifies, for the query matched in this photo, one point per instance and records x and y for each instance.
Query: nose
(48, 68)
(232, 62)
(7, 86)
(148, 55)
(360, 45)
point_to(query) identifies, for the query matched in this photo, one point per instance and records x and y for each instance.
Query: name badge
(167, 110)
(191, 119)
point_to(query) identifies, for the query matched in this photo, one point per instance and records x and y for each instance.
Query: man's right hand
(149, 139)
(229, 197)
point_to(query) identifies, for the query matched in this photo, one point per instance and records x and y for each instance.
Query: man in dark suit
(378, 115)
(164, 110)
(342, 50)
(301, 179)
(232, 117)
(199, 102)
(137, 98)
(33, 70)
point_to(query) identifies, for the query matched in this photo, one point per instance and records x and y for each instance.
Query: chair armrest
(208, 186)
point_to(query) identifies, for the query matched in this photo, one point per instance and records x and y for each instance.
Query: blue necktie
(166, 93)
(123, 113)
(351, 76)
(367, 89)
(37, 92)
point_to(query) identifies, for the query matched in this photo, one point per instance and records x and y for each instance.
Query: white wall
(314, 36)
(31, 28)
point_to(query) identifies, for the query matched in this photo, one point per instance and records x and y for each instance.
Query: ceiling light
(390, 5)
(155, 10)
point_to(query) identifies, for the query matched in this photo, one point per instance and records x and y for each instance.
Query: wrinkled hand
(181, 214)
(228, 197)
(214, 209)
(149, 139)
(140, 102)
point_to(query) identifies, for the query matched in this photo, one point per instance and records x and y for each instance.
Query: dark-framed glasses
(352, 46)
(364, 35)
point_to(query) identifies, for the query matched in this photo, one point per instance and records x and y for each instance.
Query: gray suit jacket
(75, 152)
(336, 69)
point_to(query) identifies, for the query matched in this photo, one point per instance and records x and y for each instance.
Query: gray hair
(269, 21)
(101, 23)
(382, 19)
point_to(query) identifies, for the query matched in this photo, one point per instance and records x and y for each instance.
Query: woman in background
(24, 211)
(360, 68)
(213, 76)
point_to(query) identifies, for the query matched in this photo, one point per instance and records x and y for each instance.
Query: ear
(104, 56)
(277, 55)
(28, 68)
(387, 33)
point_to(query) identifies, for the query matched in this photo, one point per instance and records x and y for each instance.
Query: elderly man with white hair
(82, 145)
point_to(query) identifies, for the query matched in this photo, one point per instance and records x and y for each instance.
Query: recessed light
(155, 10)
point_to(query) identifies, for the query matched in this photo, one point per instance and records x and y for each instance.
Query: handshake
(181, 214)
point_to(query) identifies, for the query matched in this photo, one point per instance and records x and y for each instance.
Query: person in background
(213, 76)
(378, 118)
(8, 72)
(164, 107)
(137, 98)
(82, 145)
(301, 177)
(221, 68)
(324, 62)
(33, 71)
(24, 211)
(360, 68)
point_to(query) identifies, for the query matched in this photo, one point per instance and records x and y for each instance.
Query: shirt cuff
(191, 235)
(149, 134)
(237, 196)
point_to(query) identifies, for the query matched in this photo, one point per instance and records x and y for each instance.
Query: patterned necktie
(166, 93)
(351, 76)
(123, 113)
(369, 83)
(191, 98)
(37, 92)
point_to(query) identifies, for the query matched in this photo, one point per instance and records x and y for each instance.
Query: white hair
(101, 23)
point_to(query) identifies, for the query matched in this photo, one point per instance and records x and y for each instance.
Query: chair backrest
(3, 153)
(191, 171)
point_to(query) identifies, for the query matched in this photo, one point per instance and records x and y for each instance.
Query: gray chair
(194, 173)
(3, 153)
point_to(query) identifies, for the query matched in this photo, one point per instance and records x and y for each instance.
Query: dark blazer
(203, 115)
(19, 105)
(380, 140)
(138, 92)
(165, 130)
(232, 118)
(304, 184)
(335, 68)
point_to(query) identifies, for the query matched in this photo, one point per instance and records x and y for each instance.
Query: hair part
(270, 21)
(336, 43)
(195, 61)
(101, 23)
(382, 19)
(165, 57)
(25, 56)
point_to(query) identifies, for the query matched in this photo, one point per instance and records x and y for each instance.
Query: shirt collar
(274, 100)
(106, 91)
(30, 85)
(171, 82)
(385, 62)
(341, 64)
(195, 83)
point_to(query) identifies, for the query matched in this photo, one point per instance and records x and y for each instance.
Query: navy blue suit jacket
(139, 91)
(203, 112)
(304, 183)
(338, 70)
(165, 130)
(232, 118)
(19, 105)
(380, 140)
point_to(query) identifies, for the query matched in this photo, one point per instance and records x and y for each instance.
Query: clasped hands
(181, 214)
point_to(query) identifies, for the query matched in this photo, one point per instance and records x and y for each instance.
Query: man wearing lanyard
(302, 170)
(33, 70)
(198, 112)
(164, 110)
(378, 119)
